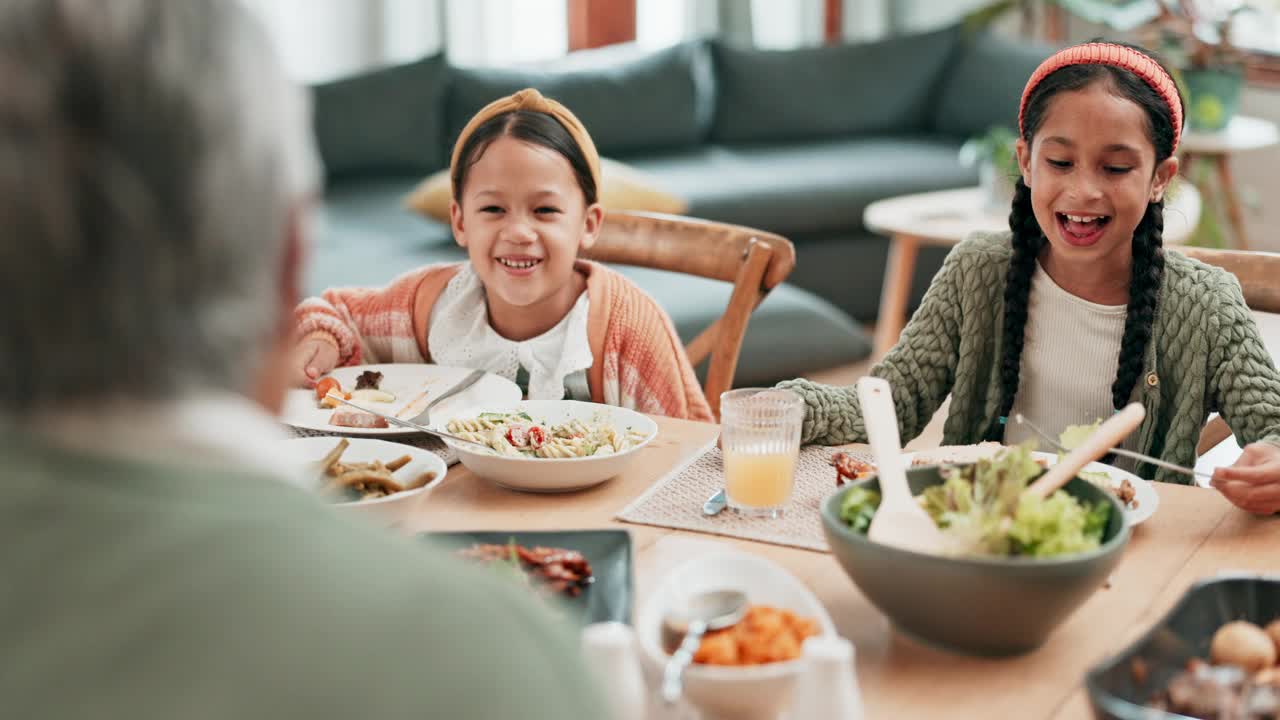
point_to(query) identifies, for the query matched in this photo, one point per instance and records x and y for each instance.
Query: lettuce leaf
(1075, 435)
(858, 507)
(985, 509)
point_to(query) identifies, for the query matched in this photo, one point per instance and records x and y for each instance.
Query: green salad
(1070, 439)
(984, 509)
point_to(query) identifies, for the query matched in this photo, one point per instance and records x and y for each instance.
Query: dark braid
(1028, 241)
(1144, 292)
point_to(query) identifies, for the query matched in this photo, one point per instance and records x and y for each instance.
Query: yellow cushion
(625, 188)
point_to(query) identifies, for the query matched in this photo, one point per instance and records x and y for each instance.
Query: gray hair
(151, 152)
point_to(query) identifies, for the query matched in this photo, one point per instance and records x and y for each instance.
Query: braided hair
(1029, 241)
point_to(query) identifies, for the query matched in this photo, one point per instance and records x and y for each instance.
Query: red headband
(1116, 56)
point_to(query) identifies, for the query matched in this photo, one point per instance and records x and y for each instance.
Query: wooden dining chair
(753, 260)
(1259, 276)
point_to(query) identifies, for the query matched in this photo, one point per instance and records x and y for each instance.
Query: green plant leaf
(983, 17)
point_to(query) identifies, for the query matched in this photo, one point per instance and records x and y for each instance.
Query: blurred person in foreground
(155, 170)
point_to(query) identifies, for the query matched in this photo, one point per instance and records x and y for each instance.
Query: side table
(946, 217)
(1240, 135)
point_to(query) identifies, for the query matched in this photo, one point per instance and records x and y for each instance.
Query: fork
(1018, 418)
(424, 417)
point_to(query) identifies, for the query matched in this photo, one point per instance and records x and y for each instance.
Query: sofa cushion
(365, 236)
(622, 188)
(808, 93)
(628, 100)
(806, 187)
(385, 120)
(982, 86)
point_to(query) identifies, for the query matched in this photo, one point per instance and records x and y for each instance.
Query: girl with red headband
(1078, 310)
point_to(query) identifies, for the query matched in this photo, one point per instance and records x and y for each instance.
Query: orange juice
(756, 480)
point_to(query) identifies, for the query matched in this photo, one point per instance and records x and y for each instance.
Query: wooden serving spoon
(1108, 435)
(899, 521)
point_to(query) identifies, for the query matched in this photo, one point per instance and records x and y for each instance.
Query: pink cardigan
(639, 362)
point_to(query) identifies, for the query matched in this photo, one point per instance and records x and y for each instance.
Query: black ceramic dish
(1117, 692)
(608, 597)
(975, 605)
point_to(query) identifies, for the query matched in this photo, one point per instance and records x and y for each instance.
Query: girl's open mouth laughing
(1082, 230)
(519, 265)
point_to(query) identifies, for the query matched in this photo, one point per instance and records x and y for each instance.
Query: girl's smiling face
(522, 217)
(1092, 171)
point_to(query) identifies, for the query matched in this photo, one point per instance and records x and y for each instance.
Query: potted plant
(1195, 36)
(997, 162)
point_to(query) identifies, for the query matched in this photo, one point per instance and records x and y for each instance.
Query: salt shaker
(828, 687)
(609, 649)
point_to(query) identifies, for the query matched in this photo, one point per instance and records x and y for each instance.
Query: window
(506, 32)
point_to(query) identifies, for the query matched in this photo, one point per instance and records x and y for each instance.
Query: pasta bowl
(548, 445)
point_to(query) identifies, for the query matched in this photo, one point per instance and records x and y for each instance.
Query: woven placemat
(676, 501)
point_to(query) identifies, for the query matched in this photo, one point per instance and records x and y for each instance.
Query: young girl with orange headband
(1078, 310)
(525, 178)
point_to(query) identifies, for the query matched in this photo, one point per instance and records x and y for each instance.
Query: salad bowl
(982, 605)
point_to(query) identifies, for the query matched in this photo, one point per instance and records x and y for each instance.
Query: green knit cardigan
(1205, 355)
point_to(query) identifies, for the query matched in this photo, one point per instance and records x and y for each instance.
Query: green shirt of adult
(138, 590)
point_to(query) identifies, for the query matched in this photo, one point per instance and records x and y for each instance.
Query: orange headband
(532, 100)
(1101, 53)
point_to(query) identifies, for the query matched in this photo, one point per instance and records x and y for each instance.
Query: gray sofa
(797, 142)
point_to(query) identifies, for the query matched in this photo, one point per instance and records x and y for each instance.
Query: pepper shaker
(609, 649)
(828, 687)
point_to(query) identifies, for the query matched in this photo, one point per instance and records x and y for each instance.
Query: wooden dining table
(1195, 533)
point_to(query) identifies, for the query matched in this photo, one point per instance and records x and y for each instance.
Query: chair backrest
(753, 260)
(1258, 273)
(1259, 276)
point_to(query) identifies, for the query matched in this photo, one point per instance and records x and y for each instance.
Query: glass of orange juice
(760, 441)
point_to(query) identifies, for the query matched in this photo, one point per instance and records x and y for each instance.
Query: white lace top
(555, 362)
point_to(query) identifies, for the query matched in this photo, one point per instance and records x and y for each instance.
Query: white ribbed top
(1069, 360)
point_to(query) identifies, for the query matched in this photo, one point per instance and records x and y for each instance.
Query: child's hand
(312, 360)
(1253, 482)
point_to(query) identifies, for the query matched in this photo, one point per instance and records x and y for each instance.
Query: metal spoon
(715, 503)
(683, 631)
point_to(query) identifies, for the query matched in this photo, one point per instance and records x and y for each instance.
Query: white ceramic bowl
(552, 474)
(306, 451)
(756, 692)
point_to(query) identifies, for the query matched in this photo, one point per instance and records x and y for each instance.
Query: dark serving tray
(609, 597)
(1183, 633)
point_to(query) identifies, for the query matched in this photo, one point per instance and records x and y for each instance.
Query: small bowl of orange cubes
(747, 671)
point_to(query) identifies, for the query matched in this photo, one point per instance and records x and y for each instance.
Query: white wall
(504, 32)
(321, 39)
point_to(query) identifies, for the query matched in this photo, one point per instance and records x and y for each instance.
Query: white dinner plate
(1145, 500)
(305, 452)
(414, 387)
